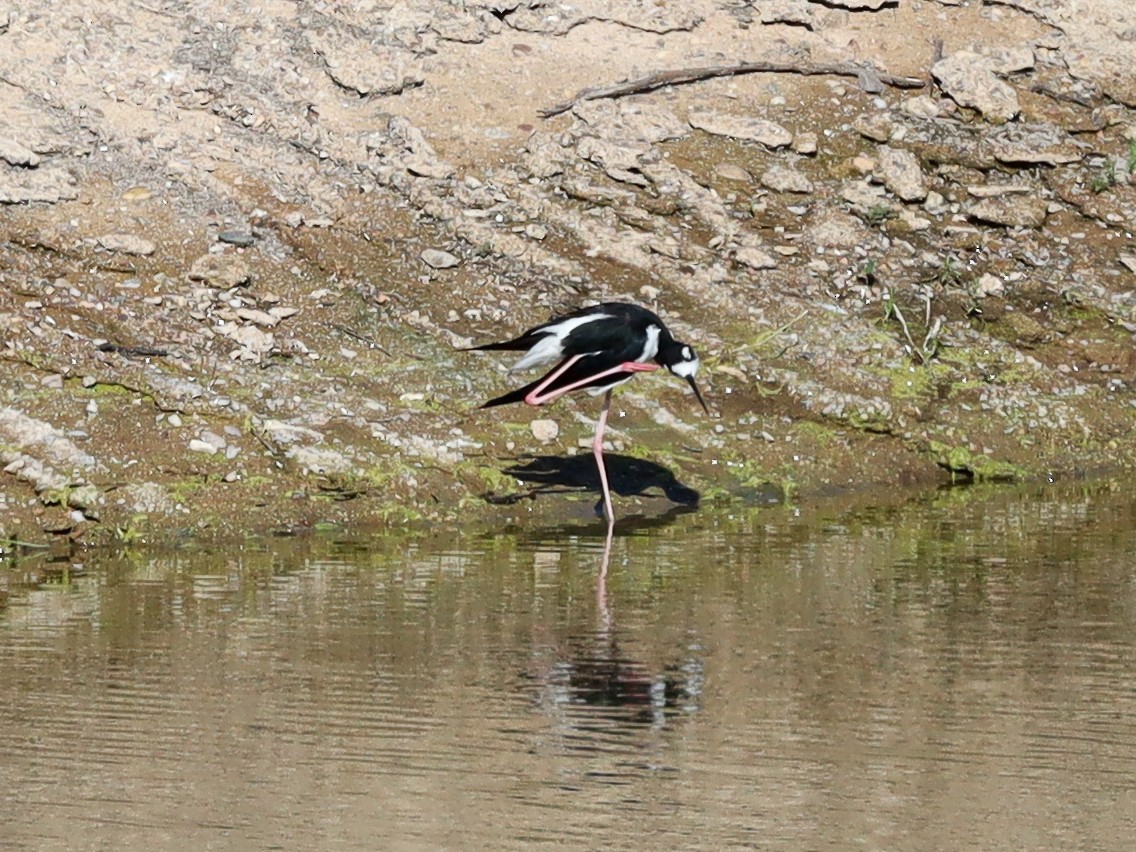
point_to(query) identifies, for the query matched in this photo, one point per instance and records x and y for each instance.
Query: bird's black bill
(694, 387)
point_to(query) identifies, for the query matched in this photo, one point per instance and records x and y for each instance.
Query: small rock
(536, 231)
(1012, 59)
(174, 420)
(198, 446)
(995, 190)
(797, 12)
(755, 258)
(217, 442)
(321, 461)
(990, 285)
(545, 430)
(783, 179)
(1128, 261)
(219, 270)
(1011, 211)
(368, 69)
(252, 341)
(438, 259)
(1033, 143)
(47, 184)
(127, 244)
(16, 154)
(54, 381)
(730, 171)
(137, 193)
(261, 318)
(237, 238)
(876, 126)
(913, 222)
(768, 133)
(901, 174)
(921, 106)
(836, 230)
(935, 203)
(871, 5)
(804, 143)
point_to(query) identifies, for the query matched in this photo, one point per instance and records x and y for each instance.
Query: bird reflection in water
(598, 681)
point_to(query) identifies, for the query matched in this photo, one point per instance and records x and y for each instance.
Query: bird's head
(681, 360)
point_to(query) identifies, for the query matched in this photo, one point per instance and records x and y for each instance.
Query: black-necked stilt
(599, 348)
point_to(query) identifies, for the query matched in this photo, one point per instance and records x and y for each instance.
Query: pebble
(438, 259)
(137, 193)
(196, 446)
(237, 238)
(545, 430)
(731, 171)
(174, 420)
(214, 440)
(127, 244)
(804, 143)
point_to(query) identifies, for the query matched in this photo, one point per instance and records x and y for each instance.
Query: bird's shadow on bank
(627, 476)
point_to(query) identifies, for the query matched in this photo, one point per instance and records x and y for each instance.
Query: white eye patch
(686, 369)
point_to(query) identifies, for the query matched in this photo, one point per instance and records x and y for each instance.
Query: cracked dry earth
(242, 244)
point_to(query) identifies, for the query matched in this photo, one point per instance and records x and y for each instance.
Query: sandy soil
(242, 244)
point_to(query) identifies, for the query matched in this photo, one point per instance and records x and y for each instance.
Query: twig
(894, 310)
(144, 351)
(15, 542)
(678, 76)
(342, 329)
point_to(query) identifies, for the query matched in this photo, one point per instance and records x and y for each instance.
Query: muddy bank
(241, 244)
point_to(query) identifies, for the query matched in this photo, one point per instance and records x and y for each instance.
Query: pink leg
(597, 450)
(537, 396)
(601, 586)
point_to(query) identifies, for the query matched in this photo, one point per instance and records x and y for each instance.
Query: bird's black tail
(517, 345)
(512, 396)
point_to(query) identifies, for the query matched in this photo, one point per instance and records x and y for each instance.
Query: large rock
(969, 79)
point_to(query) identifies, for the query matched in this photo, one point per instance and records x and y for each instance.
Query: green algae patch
(961, 462)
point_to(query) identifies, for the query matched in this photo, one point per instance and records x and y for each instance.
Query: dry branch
(870, 79)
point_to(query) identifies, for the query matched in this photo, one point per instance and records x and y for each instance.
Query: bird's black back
(619, 327)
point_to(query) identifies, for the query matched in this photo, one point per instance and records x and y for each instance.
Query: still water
(957, 671)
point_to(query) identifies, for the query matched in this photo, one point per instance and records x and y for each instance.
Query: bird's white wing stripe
(551, 347)
(651, 347)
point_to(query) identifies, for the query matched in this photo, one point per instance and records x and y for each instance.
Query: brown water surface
(955, 672)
